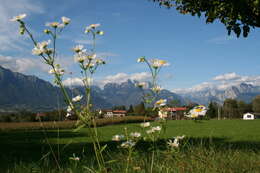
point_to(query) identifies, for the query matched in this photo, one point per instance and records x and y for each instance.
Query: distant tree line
(233, 108)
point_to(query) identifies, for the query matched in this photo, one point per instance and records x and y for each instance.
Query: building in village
(112, 113)
(175, 113)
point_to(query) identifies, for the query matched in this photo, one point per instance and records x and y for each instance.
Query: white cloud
(222, 82)
(117, 78)
(227, 77)
(23, 65)
(73, 82)
(123, 77)
(221, 39)
(9, 31)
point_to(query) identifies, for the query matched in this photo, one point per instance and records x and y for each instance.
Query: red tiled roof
(119, 111)
(176, 109)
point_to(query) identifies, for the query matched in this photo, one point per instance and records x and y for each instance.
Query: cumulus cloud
(117, 78)
(222, 82)
(22, 65)
(227, 77)
(9, 35)
(73, 82)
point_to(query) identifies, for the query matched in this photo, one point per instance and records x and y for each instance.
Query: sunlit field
(209, 146)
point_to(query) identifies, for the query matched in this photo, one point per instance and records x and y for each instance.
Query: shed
(248, 116)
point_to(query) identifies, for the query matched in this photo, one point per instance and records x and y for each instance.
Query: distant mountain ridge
(19, 91)
(242, 91)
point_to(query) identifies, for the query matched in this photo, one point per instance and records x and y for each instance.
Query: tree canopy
(237, 15)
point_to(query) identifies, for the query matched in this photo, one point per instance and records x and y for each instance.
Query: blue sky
(197, 52)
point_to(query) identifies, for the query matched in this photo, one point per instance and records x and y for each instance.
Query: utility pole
(219, 112)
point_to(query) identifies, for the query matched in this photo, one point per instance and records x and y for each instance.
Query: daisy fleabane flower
(135, 134)
(65, 20)
(161, 102)
(128, 144)
(77, 98)
(117, 137)
(18, 18)
(146, 124)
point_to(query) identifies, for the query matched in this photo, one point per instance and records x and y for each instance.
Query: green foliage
(256, 104)
(230, 109)
(131, 109)
(237, 15)
(121, 107)
(212, 111)
(140, 109)
(212, 146)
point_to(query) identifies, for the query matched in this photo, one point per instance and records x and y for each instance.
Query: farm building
(113, 113)
(248, 116)
(172, 113)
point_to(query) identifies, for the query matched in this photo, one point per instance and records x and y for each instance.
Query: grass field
(232, 144)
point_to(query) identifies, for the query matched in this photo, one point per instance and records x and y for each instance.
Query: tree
(212, 111)
(131, 109)
(121, 107)
(139, 109)
(256, 104)
(243, 107)
(230, 108)
(236, 15)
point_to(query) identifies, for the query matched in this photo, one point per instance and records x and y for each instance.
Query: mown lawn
(235, 140)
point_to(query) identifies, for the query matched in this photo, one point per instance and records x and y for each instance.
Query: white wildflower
(156, 63)
(41, 48)
(154, 129)
(77, 98)
(141, 59)
(93, 56)
(117, 137)
(157, 128)
(65, 20)
(146, 124)
(141, 84)
(156, 89)
(92, 26)
(53, 24)
(100, 61)
(161, 102)
(176, 142)
(173, 144)
(128, 144)
(78, 48)
(88, 81)
(135, 134)
(51, 71)
(18, 18)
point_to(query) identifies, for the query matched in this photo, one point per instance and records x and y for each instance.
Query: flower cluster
(145, 124)
(42, 48)
(118, 137)
(154, 129)
(87, 60)
(128, 144)
(141, 85)
(57, 70)
(92, 28)
(176, 142)
(160, 103)
(65, 21)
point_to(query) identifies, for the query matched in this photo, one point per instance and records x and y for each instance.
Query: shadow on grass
(30, 146)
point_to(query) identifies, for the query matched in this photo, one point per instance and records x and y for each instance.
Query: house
(248, 116)
(176, 113)
(113, 113)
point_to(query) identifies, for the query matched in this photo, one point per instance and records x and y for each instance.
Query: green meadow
(209, 146)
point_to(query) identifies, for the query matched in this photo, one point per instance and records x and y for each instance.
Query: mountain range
(243, 91)
(19, 91)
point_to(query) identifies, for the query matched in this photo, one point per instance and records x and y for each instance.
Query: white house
(248, 116)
